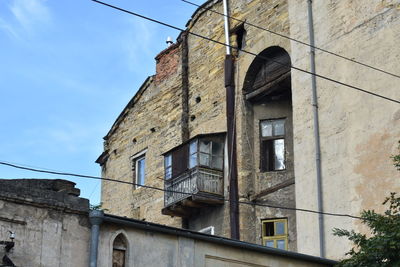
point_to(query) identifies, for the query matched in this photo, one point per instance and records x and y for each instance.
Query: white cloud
(25, 17)
(30, 13)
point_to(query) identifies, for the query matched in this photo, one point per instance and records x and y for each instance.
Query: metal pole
(316, 133)
(95, 218)
(226, 24)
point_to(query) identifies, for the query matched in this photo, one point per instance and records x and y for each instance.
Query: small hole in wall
(153, 130)
(192, 118)
(198, 99)
(115, 152)
(134, 140)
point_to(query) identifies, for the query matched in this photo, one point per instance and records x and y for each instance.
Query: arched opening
(267, 90)
(119, 254)
(268, 77)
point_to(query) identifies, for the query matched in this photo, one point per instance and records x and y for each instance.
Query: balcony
(196, 188)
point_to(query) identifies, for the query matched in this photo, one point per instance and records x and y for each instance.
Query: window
(272, 145)
(275, 233)
(202, 151)
(168, 166)
(139, 168)
(119, 251)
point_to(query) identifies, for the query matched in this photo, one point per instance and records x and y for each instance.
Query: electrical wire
(248, 52)
(173, 191)
(292, 39)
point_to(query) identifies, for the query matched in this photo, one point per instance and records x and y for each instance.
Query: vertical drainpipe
(231, 129)
(316, 132)
(185, 99)
(96, 218)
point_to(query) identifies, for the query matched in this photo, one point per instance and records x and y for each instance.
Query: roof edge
(130, 104)
(213, 239)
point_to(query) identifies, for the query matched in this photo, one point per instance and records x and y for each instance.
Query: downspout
(316, 132)
(96, 218)
(231, 129)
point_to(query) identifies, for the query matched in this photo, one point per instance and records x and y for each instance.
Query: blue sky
(67, 69)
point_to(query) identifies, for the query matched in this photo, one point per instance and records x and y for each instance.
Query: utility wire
(292, 39)
(173, 191)
(248, 52)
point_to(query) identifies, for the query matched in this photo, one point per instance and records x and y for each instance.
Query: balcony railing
(196, 182)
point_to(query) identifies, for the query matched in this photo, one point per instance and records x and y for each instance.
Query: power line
(293, 39)
(250, 53)
(173, 191)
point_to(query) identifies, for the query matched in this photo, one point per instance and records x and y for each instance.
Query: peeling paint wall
(359, 132)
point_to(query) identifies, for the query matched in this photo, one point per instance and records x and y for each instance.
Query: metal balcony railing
(198, 181)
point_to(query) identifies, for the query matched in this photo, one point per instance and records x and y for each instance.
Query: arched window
(119, 255)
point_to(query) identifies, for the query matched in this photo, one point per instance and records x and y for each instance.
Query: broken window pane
(266, 128)
(205, 146)
(279, 157)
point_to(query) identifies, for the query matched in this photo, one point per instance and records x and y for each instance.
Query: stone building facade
(172, 133)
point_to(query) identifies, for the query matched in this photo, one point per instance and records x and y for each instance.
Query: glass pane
(167, 160)
(192, 160)
(269, 243)
(193, 147)
(266, 128)
(217, 149)
(205, 159)
(141, 165)
(217, 163)
(280, 244)
(168, 173)
(280, 228)
(279, 157)
(279, 127)
(205, 146)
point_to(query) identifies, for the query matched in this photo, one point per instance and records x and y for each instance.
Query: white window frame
(136, 158)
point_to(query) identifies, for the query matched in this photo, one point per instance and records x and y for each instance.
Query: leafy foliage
(383, 248)
(396, 160)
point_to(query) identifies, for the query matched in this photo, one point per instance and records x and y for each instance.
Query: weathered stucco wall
(150, 248)
(359, 132)
(51, 228)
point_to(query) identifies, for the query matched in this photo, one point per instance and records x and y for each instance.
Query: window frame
(275, 237)
(135, 164)
(265, 165)
(194, 155)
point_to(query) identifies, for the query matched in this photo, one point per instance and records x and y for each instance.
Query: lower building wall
(145, 248)
(44, 236)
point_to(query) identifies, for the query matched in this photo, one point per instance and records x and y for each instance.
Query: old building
(45, 223)
(173, 132)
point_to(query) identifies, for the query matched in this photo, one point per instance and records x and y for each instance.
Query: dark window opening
(272, 150)
(240, 34)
